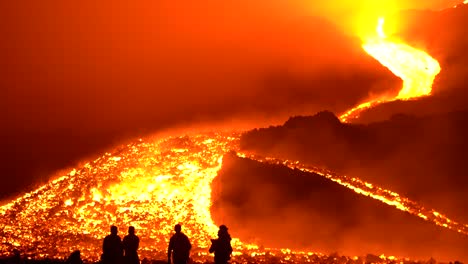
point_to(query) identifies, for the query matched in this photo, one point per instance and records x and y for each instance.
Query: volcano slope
(275, 206)
(421, 158)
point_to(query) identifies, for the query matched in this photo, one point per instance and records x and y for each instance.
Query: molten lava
(152, 185)
(415, 67)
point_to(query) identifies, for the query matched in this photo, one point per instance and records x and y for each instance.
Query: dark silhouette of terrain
(423, 158)
(279, 207)
(327, 259)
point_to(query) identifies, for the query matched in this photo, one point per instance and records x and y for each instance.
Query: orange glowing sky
(358, 17)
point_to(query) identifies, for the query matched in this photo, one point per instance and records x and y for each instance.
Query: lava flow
(365, 188)
(416, 68)
(152, 185)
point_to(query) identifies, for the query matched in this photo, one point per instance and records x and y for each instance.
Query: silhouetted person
(75, 258)
(179, 247)
(130, 245)
(112, 249)
(222, 246)
(16, 258)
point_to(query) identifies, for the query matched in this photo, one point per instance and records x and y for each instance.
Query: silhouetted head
(75, 255)
(223, 231)
(113, 230)
(178, 228)
(16, 252)
(131, 230)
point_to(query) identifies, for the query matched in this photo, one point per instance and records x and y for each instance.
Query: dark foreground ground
(267, 257)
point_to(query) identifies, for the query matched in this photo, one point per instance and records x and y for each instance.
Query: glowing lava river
(151, 185)
(416, 68)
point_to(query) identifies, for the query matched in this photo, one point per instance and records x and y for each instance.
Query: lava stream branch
(415, 67)
(364, 188)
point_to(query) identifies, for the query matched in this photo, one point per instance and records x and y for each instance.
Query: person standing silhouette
(131, 242)
(112, 250)
(75, 258)
(221, 247)
(16, 258)
(179, 247)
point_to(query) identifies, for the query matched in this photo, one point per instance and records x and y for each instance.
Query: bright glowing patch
(416, 68)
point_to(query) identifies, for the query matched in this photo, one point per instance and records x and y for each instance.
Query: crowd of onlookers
(125, 251)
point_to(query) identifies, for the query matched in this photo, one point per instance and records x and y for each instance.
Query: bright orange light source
(415, 67)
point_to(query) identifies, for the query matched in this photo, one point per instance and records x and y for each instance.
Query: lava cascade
(153, 184)
(415, 67)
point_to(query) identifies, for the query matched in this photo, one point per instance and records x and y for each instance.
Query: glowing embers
(150, 185)
(416, 68)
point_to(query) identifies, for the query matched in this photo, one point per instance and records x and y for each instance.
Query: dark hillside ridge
(423, 158)
(275, 206)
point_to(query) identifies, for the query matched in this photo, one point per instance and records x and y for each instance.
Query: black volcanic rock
(423, 158)
(302, 135)
(275, 206)
(321, 119)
